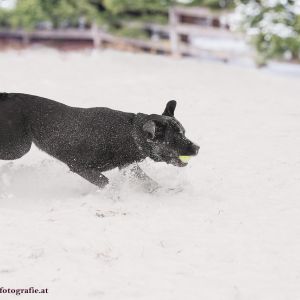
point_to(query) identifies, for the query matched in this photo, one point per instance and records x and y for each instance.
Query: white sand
(234, 231)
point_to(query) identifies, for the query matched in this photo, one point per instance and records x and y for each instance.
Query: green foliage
(274, 30)
(276, 47)
(5, 18)
(139, 6)
(68, 11)
(130, 32)
(26, 14)
(214, 4)
(29, 13)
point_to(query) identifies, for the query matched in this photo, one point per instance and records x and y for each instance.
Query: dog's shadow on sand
(51, 180)
(45, 179)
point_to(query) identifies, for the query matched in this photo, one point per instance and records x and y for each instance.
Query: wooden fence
(184, 23)
(97, 37)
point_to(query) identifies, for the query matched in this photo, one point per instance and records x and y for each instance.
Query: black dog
(90, 140)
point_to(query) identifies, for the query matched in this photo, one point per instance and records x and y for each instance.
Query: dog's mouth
(174, 158)
(180, 161)
(184, 158)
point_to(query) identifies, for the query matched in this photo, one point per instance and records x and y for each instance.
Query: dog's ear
(155, 127)
(149, 127)
(170, 108)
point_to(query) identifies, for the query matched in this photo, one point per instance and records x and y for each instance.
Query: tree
(29, 13)
(68, 11)
(117, 6)
(216, 4)
(273, 27)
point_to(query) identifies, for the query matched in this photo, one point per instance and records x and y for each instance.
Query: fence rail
(204, 24)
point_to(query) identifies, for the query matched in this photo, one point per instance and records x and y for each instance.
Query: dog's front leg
(94, 176)
(148, 183)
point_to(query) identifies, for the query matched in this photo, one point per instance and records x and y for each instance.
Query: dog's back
(84, 136)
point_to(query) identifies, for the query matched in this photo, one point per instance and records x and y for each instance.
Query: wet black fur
(89, 140)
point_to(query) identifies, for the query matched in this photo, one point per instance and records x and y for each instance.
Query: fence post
(174, 36)
(97, 40)
(25, 38)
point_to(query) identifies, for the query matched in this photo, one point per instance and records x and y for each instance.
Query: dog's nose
(195, 148)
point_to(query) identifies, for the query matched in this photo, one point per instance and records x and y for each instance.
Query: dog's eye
(160, 132)
(179, 130)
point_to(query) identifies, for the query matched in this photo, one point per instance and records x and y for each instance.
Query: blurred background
(226, 30)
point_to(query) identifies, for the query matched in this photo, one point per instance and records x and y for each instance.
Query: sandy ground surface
(232, 233)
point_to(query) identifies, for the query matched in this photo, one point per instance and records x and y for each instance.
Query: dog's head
(165, 137)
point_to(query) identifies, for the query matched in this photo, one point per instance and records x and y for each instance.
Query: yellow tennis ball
(184, 158)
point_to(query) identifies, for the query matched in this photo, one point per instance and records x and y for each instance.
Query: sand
(230, 232)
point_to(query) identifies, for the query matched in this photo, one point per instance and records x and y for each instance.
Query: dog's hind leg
(15, 142)
(94, 176)
(15, 133)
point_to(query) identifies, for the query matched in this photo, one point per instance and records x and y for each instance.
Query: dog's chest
(118, 154)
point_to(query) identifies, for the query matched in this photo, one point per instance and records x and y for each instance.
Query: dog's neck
(139, 135)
